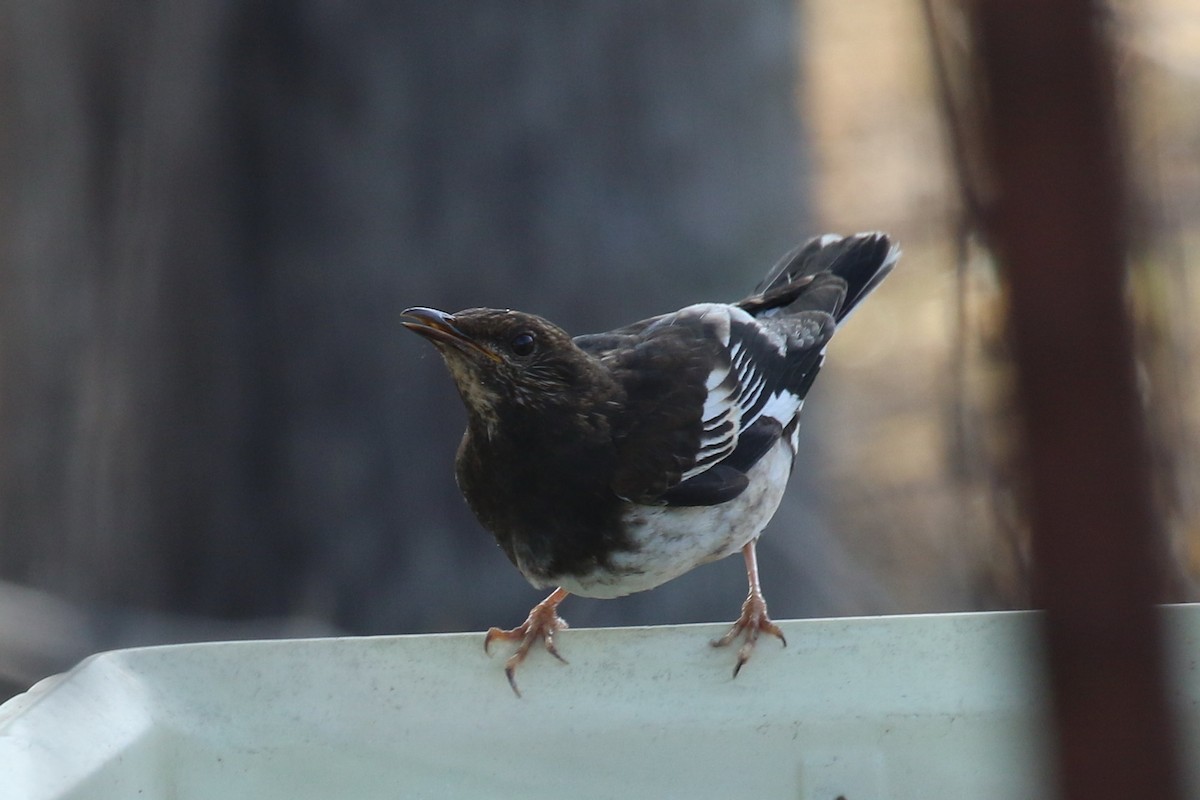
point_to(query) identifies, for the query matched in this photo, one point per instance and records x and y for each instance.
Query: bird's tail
(829, 273)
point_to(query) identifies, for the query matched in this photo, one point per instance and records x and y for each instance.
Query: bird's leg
(754, 619)
(543, 622)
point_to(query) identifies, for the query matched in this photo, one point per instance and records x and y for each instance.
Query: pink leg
(754, 619)
(543, 622)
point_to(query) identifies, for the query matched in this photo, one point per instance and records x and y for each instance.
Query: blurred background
(212, 425)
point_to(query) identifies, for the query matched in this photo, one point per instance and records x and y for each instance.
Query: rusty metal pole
(1058, 225)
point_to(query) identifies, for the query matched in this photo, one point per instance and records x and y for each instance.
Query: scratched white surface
(890, 707)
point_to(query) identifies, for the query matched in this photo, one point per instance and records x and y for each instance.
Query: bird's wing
(708, 390)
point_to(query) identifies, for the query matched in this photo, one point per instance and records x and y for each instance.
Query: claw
(753, 620)
(543, 622)
(751, 623)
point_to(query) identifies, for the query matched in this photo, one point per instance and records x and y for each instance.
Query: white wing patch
(738, 393)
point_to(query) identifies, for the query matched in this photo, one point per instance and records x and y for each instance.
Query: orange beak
(439, 328)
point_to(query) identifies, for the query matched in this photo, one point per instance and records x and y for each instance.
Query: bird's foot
(751, 623)
(542, 624)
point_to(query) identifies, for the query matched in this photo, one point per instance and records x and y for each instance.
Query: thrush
(610, 463)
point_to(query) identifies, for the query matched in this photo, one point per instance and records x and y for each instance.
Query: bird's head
(500, 358)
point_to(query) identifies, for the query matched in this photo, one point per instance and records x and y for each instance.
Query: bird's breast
(547, 499)
(665, 542)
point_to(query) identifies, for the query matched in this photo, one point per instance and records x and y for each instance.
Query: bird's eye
(522, 344)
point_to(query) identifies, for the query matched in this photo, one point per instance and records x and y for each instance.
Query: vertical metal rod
(1057, 224)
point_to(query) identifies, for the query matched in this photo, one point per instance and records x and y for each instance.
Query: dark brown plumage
(610, 463)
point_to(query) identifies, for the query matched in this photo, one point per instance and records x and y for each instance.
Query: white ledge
(944, 705)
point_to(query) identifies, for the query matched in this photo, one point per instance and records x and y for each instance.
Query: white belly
(672, 540)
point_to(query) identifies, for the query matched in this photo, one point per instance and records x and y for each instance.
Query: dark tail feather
(829, 273)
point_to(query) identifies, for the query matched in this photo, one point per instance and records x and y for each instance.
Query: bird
(610, 463)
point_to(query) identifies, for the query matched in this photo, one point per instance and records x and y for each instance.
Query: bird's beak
(439, 328)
